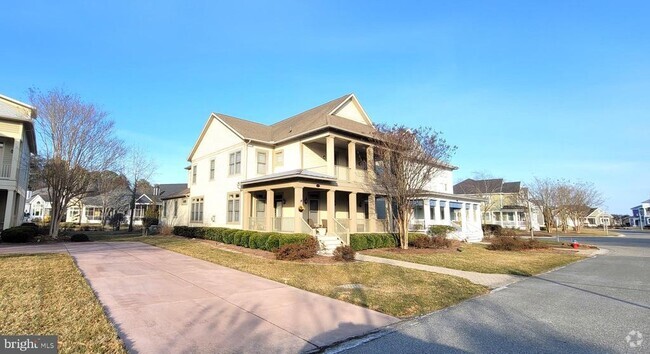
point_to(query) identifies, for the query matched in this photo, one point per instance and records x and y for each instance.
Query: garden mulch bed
(266, 254)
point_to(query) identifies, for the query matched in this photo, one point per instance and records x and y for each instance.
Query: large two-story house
(308, 173)
(504, 203)
(17, 142)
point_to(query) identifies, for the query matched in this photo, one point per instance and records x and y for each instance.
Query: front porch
(462, 215)
(303, 206)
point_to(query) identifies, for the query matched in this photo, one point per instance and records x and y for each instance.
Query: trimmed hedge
(18, 234)
(267, 241)
(439, 230)
(360, 242)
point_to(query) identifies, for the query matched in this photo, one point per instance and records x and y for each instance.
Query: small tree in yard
(77, 138)
(407, 161)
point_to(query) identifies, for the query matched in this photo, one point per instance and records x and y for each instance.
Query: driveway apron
(162, 301)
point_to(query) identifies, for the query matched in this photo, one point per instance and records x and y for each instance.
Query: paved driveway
(586, 307)
(165, 302)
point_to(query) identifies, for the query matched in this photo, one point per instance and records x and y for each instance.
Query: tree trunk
(135, 183)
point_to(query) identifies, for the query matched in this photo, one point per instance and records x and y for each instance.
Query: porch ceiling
(289, 175)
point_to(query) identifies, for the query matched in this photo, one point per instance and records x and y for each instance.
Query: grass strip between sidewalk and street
(395, 291)
(45, 294)
(476, 258)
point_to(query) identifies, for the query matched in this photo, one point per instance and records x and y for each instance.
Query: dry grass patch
(476, 258)
(392, 290)
(45, 294)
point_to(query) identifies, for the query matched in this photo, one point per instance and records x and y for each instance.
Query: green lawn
(476, 258)
(392, 290)
(45, 294)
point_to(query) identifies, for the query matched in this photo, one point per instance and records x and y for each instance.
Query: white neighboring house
(597, 217)
(641, 215)
(308, 173)
(87, 210)
(37, 206)
(17, 143)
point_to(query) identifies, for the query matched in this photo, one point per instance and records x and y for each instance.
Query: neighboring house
(308, 173)
(641, 215)
(597, 218)
(175, 207)
(153, 200)
(87, 210)
(38, 206)
(17, 143)
(504, 203)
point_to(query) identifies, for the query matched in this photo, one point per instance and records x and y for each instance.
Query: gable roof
(23, 113)
(486, 186)
(168, 189)
(311, 120)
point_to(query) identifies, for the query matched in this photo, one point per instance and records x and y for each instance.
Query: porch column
(479, 214)
(501, 218)
(370, 165)
(9, 209)
(352, 208)
(246, 216)
(447, 212)
(436, 211)
(297, 201)
(15, 160)
(268, 212)
(463, 215)
(352, 161)
(372, 213)
(329, 145)
(427, 213)
(331, 212)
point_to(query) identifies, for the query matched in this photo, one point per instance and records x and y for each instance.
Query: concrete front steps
(328, 244)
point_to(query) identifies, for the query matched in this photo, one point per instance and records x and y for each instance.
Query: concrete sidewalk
(490, 280)
(164, 302)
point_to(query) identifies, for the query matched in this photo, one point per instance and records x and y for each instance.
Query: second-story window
(193, 174)
(234, 165)
(278, 158)
(261, 162)
(212, 170)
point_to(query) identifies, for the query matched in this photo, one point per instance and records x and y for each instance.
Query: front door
(278, 215)
(313, 213)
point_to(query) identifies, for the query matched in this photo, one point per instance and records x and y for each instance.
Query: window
(93, 214)
(194, 174)
(233, 207)
(197, 210)
(279, 158)
(165, 209)
(212, 170)
(234, 165)
(176, 208)
(261, 163)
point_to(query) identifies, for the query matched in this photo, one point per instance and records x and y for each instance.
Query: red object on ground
(575, 245)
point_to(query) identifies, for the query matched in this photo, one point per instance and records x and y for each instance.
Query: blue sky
(523, 88)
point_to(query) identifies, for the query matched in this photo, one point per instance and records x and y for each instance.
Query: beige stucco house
(308, 173)
(17, 142)
(504, 203)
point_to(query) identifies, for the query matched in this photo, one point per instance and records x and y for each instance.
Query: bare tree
(543, 193)
(408, 159)
(76, 138)
(138, 169)
(583, 197)
(112, 190)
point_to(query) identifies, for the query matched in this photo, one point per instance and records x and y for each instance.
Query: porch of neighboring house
(310, 208)
(10, 211)
(464, 216)
(507, 218)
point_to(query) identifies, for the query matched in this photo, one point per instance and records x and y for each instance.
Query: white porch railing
(5, 171)
(257, 224)
(283, 224)
(341, 230)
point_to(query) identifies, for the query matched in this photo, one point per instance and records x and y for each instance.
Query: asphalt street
(598, 305)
